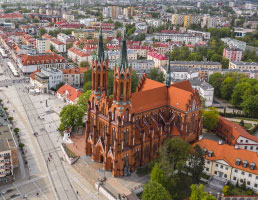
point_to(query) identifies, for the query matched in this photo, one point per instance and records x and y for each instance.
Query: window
(217, 165)
(236, 170)
(226, 168)
(246, 141)
(250, 175)
(248, 183)
(207, 169)
(215, 172)
(245, 147)
(255, 185)
(241, 141)
(221, 166)
(241, 180)
(126, 137)
(251, 148)
(234, 178)
(243, 173)
(225, 176)
(208, 162)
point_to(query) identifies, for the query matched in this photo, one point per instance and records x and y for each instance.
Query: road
(44, 179)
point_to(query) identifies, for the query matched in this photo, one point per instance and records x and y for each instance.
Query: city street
(47, 176)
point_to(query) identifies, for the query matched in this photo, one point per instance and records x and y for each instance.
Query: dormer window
(33, 62)
(37, 62)
(245, 163)
(252, 166)
(210, 154)
(47, 61)
(28, 63)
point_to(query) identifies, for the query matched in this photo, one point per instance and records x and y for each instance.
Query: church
(126, 132)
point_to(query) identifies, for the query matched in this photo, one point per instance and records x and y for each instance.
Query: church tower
(122, 78)
(100, 70)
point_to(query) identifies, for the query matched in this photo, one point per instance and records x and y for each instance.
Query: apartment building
(230, 163)
(74, 76)
(159, 59)
(196, 64)
(184, 38)
(42, 45)
(233, 55)
(8, 154)
(59, 46)
(243, 65)
(77, 55)
(177, 19)
(205, 35)
(233, 43)
(30, 63)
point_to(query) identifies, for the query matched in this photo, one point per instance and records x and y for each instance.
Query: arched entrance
(99, 157)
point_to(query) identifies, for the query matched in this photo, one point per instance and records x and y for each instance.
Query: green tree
(210, 118)
(42, 31)
(118, 34)
(224, 63)
(250, 106)
(118, 25)
(71, 116)
(140, 37)
(198, 193)
(87, 76)
(173, 155)
(87, 86)
(155, 191)
(216, 58)
(226, 190)
(158, 175)
(69, 45)
(84, 64)
(238, 93)
(52, 48)
(216, 81)
(156, 75)
(59, 85)
(196, 163)
(227, 87)
(83, 100)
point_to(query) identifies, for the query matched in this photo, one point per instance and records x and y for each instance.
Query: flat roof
(6, 138)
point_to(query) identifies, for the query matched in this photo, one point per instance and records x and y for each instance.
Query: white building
(42, 45)
(31, 63)
(205, 35)
(78, 55)
(68, 94)
(205, 90)
(154, 22)
(184, 38)
(243, 65)
(230, 163)
(68, 17)
(87, 21)
(232, 43)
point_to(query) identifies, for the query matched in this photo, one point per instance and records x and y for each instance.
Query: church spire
(168, 75)
(100, 53)
(124, 59)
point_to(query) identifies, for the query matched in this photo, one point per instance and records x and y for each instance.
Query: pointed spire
(124, 59)
(100, 53)
(168, 75)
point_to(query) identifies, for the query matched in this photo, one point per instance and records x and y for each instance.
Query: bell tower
(122, 77)
(100, 70)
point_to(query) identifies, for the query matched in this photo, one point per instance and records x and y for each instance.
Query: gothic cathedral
(125, 132)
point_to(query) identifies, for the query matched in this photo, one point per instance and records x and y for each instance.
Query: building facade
(233, 55)
(125, 132)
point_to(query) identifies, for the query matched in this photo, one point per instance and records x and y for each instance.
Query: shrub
(21, 145)
(10, 118)
(16, 130)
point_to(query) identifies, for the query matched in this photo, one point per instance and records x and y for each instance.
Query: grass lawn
(238, 191)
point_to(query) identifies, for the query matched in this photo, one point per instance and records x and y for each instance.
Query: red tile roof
(78, 52)
(11, 15)
(153, 94)
(41, 59)
(71, 93)
(33, 74)
(157, 55)
(79, 70)
(236, 130)
(229, 154)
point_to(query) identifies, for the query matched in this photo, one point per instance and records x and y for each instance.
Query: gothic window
(126, 137)
(104, 80)
(155, 148)
(121, 91)
(127, 115)
(92, 122)
(194, 105)
(114, 114)
(192, 123)
(93, 82)
(98, 81)
(137, 155)
(104, 110)
(113, 136)
(92, 103)
(146, 152)
(127, 88)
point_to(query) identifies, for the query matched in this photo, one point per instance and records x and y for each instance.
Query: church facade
(125, 132)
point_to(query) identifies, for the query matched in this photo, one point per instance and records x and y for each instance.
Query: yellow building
(187, 20)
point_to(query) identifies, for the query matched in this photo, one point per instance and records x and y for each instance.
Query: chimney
(237, 147)
(220, 142)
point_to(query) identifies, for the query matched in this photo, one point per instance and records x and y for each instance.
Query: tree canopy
(198, 193)
(155, 191)
(83, 100)
(156, 75)
(84, 64)
(71, 116)
(210, 118)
